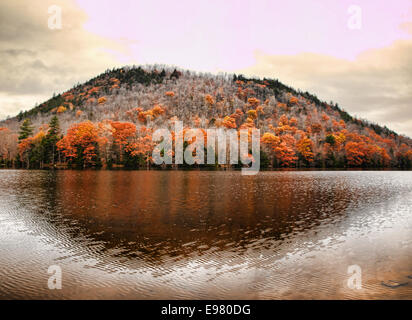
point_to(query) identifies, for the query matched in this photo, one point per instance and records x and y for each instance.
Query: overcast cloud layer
(305, 44)
(36, 62)
(377, 86)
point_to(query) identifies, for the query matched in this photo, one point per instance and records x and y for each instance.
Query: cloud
(376, 86)
(36, 62)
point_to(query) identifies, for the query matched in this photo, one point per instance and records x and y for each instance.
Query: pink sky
(225, 34)
(306, 44)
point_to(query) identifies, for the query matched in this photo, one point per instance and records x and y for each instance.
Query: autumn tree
(404, 156)
(281, 150)
(80, 145)
(102, 100)
(356, 153)
(305, 149)
(61, 109)
(229, 123)
(31, 150)
(209, 100)
(139, 150)
(122, 131)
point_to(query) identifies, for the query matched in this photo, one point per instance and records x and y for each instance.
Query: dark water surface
(205, 235)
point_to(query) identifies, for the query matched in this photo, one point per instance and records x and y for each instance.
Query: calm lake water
(205, 235)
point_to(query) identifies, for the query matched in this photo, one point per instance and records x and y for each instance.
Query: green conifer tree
(52, 137)
(26, 130)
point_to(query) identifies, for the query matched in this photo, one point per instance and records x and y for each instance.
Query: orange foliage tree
(121, 132)
(26, 146)
(142, 145)
(61, 109)
(229, 122)
(80, 143)
(102, 100)
(280, 149)
(305, 149)
(209, 100)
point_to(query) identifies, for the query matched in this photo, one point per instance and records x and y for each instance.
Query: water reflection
(145, 211)
(220, 228)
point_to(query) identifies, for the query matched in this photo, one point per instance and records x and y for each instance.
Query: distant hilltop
(119, 109)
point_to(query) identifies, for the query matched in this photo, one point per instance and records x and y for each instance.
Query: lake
(205, 234)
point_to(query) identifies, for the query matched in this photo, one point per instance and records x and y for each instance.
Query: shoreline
(208, 169)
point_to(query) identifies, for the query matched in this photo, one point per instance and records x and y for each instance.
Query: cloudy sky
(355, 52)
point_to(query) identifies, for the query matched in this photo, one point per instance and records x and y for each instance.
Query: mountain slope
(297, 129)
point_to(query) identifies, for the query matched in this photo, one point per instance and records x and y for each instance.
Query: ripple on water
(193, 235)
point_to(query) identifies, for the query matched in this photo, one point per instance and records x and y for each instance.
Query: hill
(108, 121)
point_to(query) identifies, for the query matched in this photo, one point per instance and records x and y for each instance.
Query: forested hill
(109, 121)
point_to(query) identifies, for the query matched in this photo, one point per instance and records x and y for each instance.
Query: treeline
(39, 150)
(110, 144)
